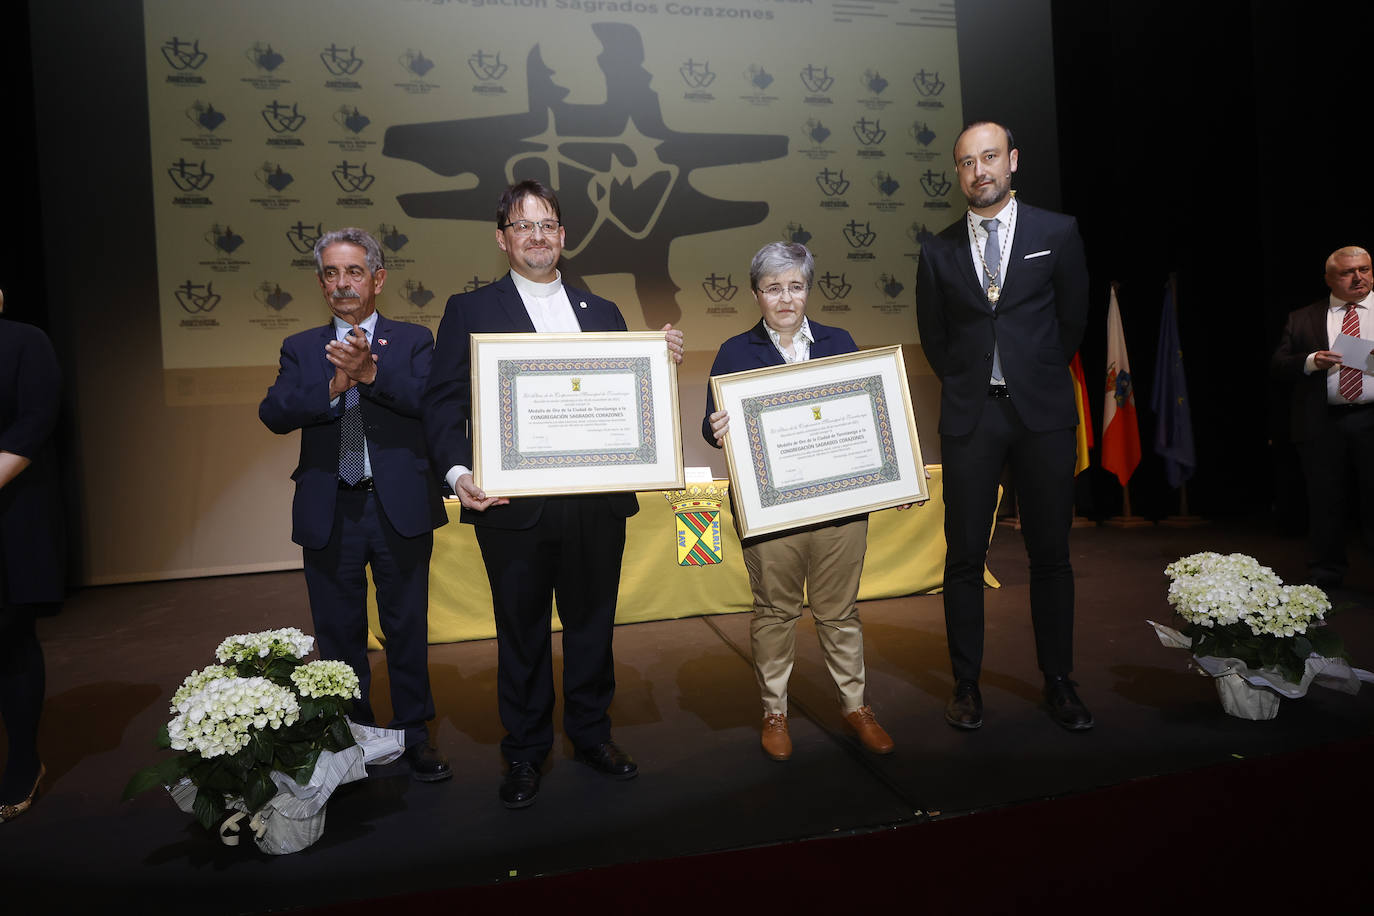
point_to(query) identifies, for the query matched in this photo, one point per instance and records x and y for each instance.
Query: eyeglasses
(525, 226)
(332, 274)
(796, 290)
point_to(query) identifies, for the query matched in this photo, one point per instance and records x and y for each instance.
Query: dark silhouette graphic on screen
(621, 174)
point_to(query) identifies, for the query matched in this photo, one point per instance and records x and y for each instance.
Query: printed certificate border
(761, 507)
(500, 469)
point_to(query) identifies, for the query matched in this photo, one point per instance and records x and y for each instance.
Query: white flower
(289, 641)
(196, 680)
(325, 679)
(216, 718)
(1210, 590)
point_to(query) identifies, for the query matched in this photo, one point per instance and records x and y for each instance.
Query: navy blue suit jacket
(299, 399)
(1037, 325)
(494, 309)
(754, 350)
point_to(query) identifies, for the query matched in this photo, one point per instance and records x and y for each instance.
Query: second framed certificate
(819, 440)
(574, 413)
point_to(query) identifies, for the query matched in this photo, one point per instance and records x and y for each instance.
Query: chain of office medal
(994, 291)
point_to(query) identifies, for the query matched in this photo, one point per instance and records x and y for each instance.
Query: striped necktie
(1351, 381)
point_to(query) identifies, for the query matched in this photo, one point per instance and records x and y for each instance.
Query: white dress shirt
(341, 329)
(1335, 318)
(801, 342)
(978, 239)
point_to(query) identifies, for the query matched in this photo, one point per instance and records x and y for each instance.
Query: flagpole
(1126, 519)
(1183, 519)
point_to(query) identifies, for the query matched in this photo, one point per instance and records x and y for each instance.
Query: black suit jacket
(32, 555)
(1038, 322)
(1304, 333)
(299, 399)
(494, 309)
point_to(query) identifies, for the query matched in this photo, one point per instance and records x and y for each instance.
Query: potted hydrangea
(1260, 639)
(265, 735)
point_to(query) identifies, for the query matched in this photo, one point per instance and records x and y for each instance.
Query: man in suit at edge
(1332, 411)
(1001, 303)
(534, 548)
(365, 494)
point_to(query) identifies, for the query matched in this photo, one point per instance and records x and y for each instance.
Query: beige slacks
(823, 563)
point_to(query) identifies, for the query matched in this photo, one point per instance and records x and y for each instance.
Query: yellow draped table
(906, 556)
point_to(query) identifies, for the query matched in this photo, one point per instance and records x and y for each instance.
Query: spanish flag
(1085, 423)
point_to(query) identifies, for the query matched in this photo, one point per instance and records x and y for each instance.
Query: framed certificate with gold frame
(819, 440)
(574, 413)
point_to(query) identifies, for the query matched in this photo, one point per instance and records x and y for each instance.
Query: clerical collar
(528, 287)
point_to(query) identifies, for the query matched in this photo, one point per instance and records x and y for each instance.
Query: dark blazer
(754, 350)
(1038, 322)
(32, 555)
(1304, 333)
(299, 399)
(494, 309)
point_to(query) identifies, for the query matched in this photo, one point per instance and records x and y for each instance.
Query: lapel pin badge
(582, 304)
(381, 341)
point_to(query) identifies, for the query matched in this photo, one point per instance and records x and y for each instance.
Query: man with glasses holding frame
(536, 547)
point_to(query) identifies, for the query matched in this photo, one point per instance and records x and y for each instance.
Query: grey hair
(352, 236)
(779, 257)
(1350, 251)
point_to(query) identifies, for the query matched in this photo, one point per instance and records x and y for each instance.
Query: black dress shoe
(520, 785)
(1064, 705)
(965, 708)
(609, 760)
(426, 763)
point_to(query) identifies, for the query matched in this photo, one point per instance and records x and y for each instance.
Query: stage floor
(686, 707)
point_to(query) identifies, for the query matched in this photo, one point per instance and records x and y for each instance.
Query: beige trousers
(823, 563)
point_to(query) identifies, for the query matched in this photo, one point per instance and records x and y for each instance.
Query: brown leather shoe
(965, 708)
(870, 733)
(777, 743)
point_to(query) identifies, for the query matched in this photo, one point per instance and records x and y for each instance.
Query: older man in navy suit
(1001, 302)
(365, 495)
(536, 548)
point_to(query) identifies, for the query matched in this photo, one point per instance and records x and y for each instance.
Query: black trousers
(1339, 468)
(1042, 469)
(336, 578)
(572, 554)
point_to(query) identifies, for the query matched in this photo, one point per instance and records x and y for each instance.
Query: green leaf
(163, 773)
(259, 789)
(1326, 643)
(309, 709)
(163, 740)
(208, 808)
(260, 745)
(340, 736)
(306, 769)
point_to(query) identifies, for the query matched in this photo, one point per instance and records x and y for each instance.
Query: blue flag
(1169, 400)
